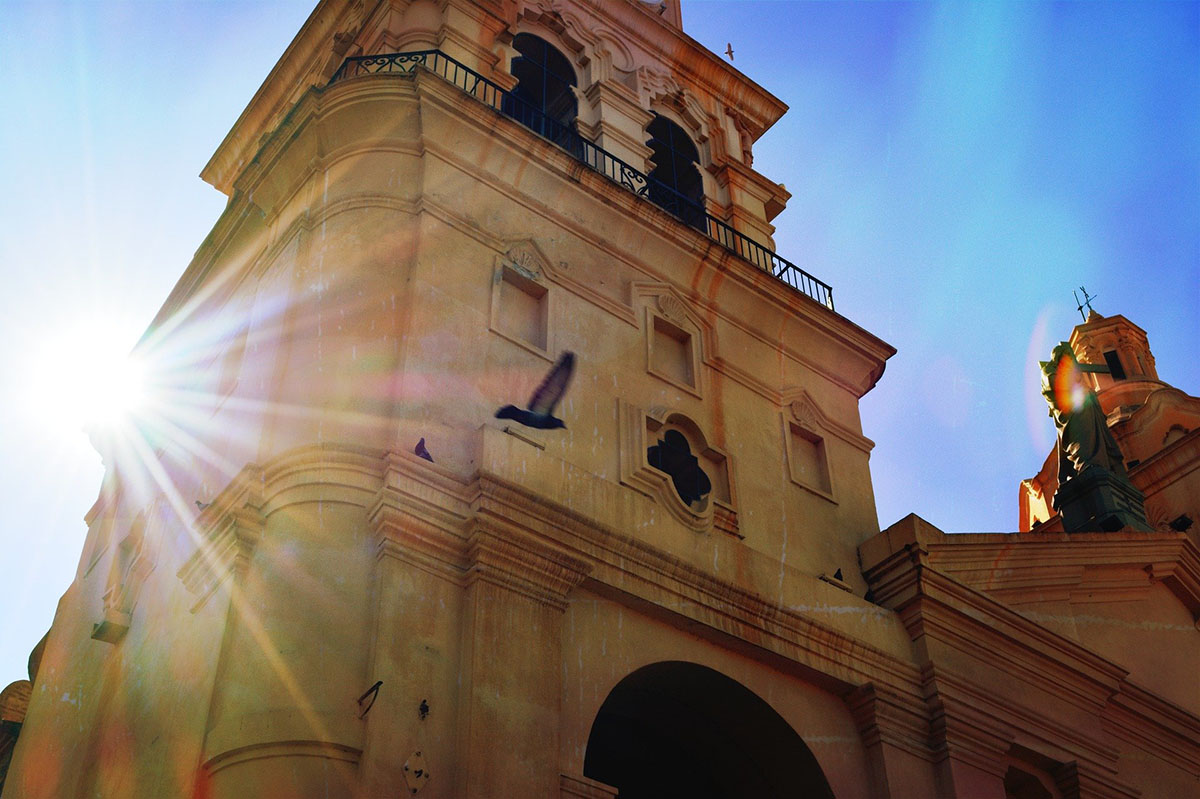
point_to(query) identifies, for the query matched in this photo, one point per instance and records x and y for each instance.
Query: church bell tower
(430, 201)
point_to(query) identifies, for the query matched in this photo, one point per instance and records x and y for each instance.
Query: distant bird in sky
(203, 505)
(541, 405)
(421, 452)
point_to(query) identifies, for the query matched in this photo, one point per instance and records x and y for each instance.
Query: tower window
(1114, 365)
(675, 184)
(673, 455)
(544, 99)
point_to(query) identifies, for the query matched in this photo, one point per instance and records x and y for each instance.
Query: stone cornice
(905, 566)
(1038, 565)
(1169, 465)
(502, 554)
(227, 531)
(498, 531)
(489, 527)
(302, 65)
(1154, 725)
(933, 604)
(634, 572)
(971, 716)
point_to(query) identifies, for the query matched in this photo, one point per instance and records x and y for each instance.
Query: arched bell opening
(544, 97)
(676, 729)
(675, 183)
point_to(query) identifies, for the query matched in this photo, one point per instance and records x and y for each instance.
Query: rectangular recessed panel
(521, 314)
(810, 466)
(672, 352)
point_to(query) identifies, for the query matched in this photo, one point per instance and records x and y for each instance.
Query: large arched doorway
(676, 729)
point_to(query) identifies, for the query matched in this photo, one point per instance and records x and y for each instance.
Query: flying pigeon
(203, 505)
(541, 405)
(421, 452)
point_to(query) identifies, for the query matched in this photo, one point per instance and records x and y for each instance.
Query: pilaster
(417, 521)
(516, 588)
(752, 200)
(617, 122)
(969, 744)
(895, 733)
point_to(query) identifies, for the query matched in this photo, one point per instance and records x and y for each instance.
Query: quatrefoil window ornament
(673, 455)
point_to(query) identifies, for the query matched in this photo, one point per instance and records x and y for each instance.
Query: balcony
(598, 159)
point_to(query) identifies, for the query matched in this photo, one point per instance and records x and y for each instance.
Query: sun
(83, 377)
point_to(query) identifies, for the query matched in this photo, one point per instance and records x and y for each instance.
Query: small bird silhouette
(541, 405)
(203, 505)
(421, 452)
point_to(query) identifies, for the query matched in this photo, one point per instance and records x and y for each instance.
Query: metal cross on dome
(1087, 302)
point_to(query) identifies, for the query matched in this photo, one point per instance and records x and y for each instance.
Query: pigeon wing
(554, 386)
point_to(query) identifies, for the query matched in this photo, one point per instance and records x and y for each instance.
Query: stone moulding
(317, 132)
(904, 566)
(583, 788)
(489, 527)
(325, 750)
(501, 554)
(1079, 567)
(228, 531)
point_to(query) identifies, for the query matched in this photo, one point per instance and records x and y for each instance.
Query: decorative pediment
(802, 410)
(668, 303)
(528, 260)
(559, 18)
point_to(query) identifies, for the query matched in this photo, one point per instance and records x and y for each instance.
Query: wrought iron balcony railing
(599, 159)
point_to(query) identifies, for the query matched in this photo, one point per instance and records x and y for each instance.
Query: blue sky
(956, 170)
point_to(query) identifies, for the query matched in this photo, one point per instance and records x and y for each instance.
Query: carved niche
(521, 299)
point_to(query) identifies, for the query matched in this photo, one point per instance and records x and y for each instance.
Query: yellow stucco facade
(287, 601)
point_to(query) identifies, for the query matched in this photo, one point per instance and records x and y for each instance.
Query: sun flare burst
(83, 378)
